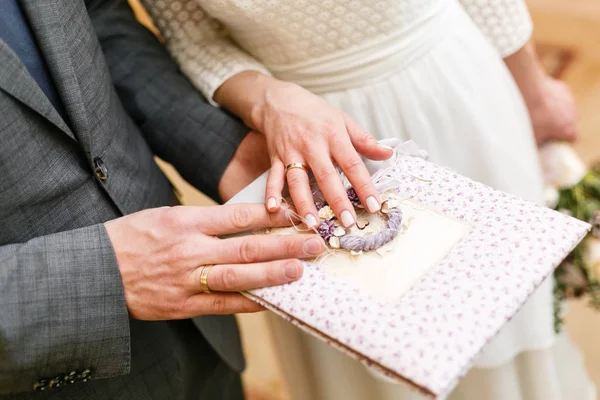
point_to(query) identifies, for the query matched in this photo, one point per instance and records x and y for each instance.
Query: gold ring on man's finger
(204, 278)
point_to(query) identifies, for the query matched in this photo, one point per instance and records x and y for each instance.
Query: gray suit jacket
(62, 306)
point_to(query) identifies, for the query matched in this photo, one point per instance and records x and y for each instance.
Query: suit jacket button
(40, 385)
(100, 169)
(56, 382)
(85, 376)
(71, 377)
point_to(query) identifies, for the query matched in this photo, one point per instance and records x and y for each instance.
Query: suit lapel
(50, 24)
(17, 82)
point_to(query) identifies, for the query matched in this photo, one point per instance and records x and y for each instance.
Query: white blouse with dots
(215, 39)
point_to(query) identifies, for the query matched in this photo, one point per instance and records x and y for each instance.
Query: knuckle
(352, 164)
(241, 218)
(272, 275)
(179, 252)
(183, 308)
(281, 218)
(249, 251)
(219, 304)
(304, 205)
(273, 187)
(324, 173)
(292, 247)
(363, 187)
(188, 307)
(172, 217)
(248, 306)
(305, 141)
(173, 310)
(329, 127)
(363, 138)
(229, 278)
(339, 202)
(336, 143)
(295, 178)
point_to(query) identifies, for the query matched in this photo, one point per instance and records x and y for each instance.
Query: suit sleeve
(60, 310)
(506, 23)
(199, 140)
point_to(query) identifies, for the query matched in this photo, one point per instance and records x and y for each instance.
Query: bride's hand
(301, 127)
(553, 113)
(549, 101)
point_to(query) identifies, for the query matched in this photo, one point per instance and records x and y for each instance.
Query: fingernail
(383, 146)
(347, 219)
(271, 204)
(310, 220)
(313, 246)
(372, 204)
(291, 271)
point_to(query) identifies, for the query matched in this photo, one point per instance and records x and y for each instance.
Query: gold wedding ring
(296, 165)
(204, 278)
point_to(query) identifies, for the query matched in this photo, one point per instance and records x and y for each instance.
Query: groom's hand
(160, 253)
(250, 160)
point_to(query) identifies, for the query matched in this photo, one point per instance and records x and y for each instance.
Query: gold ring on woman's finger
(204, 278)
(301, 166)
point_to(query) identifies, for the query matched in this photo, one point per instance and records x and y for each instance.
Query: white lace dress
(430, 71)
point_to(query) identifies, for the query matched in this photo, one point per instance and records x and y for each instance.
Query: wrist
(528, 74)
(244, 94)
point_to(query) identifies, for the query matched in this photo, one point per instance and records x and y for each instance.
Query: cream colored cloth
(408, 69)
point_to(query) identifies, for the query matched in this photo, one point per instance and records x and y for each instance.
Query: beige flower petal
(326, 213)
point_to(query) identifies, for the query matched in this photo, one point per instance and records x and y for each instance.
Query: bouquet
(574, 190)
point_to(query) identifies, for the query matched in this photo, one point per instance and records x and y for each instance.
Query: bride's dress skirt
(442, 85)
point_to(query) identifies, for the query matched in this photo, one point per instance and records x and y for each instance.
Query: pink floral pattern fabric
(431, 335)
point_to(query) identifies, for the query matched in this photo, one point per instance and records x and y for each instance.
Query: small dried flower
(353, 197)
(326, 213)
(334, 242)
(326, 229)
(339, 231)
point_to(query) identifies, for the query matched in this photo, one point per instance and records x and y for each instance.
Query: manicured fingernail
(310, 220)
(372, 204)
(292, 271)
(271, 204)
(347, 219)
(383, 146)
(313, 246)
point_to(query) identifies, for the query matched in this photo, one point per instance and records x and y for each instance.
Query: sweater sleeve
(200, 44)
(506, 23)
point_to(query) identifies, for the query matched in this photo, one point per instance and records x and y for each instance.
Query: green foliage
(575, 276)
